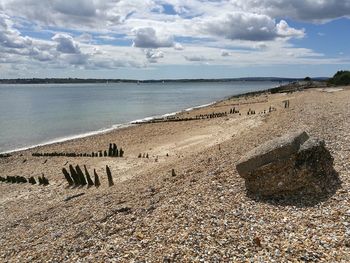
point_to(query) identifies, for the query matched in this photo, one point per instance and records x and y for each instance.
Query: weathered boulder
(288, 164)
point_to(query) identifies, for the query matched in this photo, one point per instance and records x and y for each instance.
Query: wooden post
(67, 176)
(88, 178)
(97, 179)
(109, 175)
(74, 175)
(81, 175)
(110, 150)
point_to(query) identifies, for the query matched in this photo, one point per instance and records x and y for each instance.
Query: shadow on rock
(290, 170)
(303, 197)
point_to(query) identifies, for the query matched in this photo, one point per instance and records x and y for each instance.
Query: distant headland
(91, 80)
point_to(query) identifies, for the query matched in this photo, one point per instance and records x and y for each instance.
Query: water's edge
(124, 125)
(106, 130)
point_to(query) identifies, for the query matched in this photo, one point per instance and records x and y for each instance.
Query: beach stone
(287, 165)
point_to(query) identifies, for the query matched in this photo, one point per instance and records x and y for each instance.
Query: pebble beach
(185, 202)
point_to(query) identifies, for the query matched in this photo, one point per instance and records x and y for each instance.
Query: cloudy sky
(144, 39)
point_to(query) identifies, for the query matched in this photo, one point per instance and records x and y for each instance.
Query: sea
(38, 114)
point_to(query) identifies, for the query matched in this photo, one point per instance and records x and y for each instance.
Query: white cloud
(66, 44)
(178, 46)
(307, 10)
(15, 45)
(85, 38)
(284, 30)
(147, 37)
(88, 15)
(83, 8)
(196, 58)
(122, 33)
(10, 37)
(248, 26)
(75, 59)
(106, 37)
(153, 55)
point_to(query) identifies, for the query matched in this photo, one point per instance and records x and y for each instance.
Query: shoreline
(67, 138)
(132, 123)
(106, 130)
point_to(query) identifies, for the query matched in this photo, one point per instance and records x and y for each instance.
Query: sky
(171, 39)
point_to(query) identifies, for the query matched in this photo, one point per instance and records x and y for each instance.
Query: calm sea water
(37, 114)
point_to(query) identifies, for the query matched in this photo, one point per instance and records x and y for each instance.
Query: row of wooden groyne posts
(210, 115)
(112, 151)
(197, 117)
(75, 177)
(41, 180)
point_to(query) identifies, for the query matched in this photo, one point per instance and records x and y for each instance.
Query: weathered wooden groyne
(112, 151)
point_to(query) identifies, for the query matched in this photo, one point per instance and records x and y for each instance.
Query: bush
(340, 78)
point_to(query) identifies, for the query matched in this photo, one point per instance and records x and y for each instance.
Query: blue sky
(154, 39)
(331, 39)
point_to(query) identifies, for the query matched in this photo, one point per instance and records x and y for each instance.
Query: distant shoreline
(145, 120)
(90, 80)
(148, 119)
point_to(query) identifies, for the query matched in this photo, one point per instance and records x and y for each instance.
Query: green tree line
(340, 78)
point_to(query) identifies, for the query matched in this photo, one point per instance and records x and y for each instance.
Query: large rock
(287, 165)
